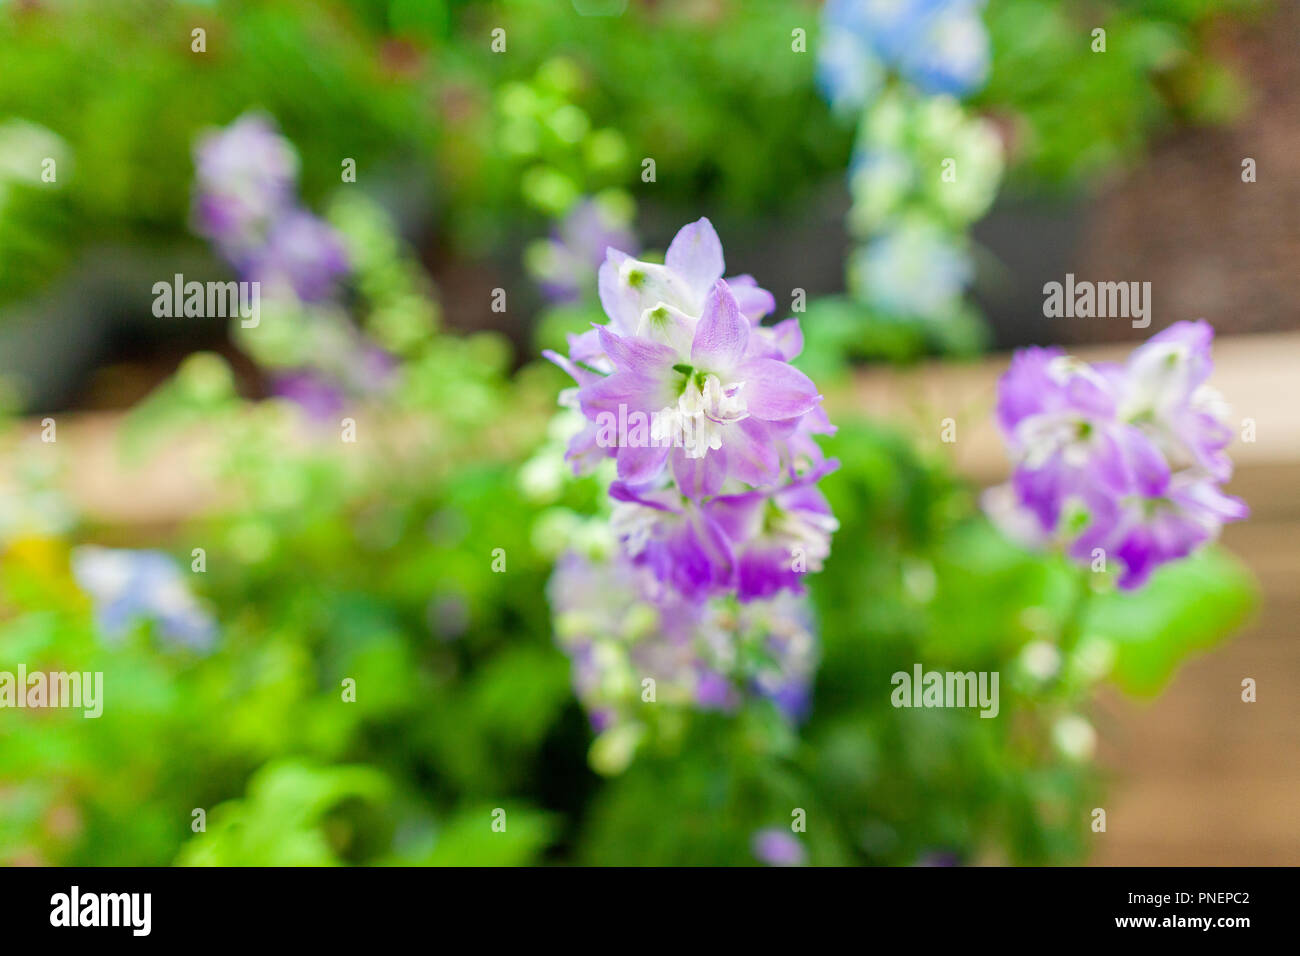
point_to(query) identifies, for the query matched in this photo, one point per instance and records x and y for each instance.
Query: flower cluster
(633, 644)
(923, 169)
(922, 172)
(246, 203)
(938, 46)
(690, 406)
(1122, 461)
(709, 424)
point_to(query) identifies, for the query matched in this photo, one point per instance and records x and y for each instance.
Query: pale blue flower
(128, 586)
(914, 271)
(939, 46)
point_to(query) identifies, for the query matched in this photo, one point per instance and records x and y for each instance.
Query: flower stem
(1072, 626)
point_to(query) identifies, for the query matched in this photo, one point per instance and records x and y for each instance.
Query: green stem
(1072, 626)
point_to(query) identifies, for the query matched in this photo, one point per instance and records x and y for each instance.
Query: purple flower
(127, 586)
(567, 262)
(619, 629)
(710, 425)
(716, 514)
(1121, 460)
(319, 397)
(777, 536)
(1145, 532)
(681, 349)
(713, 691)
(776, 846)
(302, 255)
(782, 669)
(245, 176)
(679, 542)
(1165, 394)
(721, 403)
(245, 202)
(939, 858)
(692, 267)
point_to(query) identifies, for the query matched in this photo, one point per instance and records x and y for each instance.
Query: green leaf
(470, 839)
(1187, 606)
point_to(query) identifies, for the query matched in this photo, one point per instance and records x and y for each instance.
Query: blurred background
(457, 169)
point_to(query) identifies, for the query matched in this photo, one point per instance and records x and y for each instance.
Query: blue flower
(939, 46)
(914, 271)
(847, 73)
(127, 585)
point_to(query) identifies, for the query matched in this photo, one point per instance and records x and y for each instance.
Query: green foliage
(462, 703)
(120, 86)
(1094, 110)
(1187, 607)
(282, 821)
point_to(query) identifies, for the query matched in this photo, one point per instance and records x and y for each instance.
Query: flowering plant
(923, 168)
(1125, 461)
(710, 429)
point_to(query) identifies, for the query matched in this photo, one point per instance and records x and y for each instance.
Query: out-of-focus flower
(1040, 660)
(566, 263)
(1167, 397)
(30, 504)
(778, 847)
(1124, 461)
(619, 631)
(903, 140)
(319, 398)
(246, 203)
(127, 586)
(779, 634)
(622, 628)
(914, 271)
(939, 46)
(302, 256)
(246, 177)
(848, 75)
(923, 170)
(1074, 737)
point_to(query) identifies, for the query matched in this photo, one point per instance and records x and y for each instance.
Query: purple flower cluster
(1119, 461)
(245, 202)
(710, 426)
